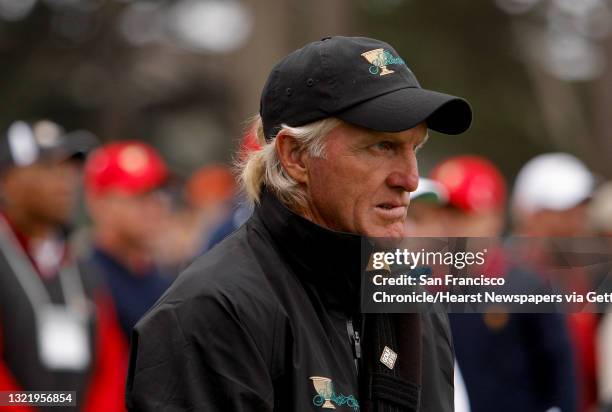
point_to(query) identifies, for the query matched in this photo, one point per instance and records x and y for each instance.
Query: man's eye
(384, 145)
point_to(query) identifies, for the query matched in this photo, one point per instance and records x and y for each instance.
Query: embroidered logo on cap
(380, 59)
(388, 357)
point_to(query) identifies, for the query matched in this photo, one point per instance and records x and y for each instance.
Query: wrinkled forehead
(359, 135)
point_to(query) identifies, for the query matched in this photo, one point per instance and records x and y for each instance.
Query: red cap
(473, 183)
(130, 166)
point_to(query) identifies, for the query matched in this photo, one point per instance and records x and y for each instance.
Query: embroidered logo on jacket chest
(327, 398)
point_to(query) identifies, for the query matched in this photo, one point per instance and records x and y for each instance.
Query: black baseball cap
(26, 143)
(359, 80)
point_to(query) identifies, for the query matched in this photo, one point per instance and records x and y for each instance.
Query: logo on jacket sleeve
(380, 59)
(388, 357)
(327, 398)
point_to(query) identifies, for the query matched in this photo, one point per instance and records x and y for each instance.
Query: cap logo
(380, 59)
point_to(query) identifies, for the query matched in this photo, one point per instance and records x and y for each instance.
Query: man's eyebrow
(420, 141)
(380, 136)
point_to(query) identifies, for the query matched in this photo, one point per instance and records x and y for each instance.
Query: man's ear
(291, 157)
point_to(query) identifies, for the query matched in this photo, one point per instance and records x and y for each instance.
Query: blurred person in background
(210, 193)
(476, 195)
(600, 210)
(550, 200)
(425, 214)
(58, 330)
(509, 361)
(600, 215)
(550, 197)
(242, 209)
(425, 219)
(198, 207)
(122, 186)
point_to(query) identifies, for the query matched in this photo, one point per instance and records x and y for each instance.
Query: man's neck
(311, 213)
(327, 259)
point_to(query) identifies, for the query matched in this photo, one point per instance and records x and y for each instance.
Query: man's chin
(395, 231)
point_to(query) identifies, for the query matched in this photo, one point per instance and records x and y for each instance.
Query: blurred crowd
(70, 291)
(525, 361)
(72, 287)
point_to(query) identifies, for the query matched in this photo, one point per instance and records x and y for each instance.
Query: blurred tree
(133, 69)
(475, 50)
(119, 68)
(602, 114)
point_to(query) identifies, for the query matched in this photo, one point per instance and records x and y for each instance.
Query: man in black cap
(58, 331)
(270, 318)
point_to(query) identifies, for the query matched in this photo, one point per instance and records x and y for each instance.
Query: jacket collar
(328, 260)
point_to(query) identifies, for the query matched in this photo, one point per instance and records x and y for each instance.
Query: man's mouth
(392, 211)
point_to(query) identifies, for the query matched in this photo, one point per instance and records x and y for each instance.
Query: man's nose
(405, 172)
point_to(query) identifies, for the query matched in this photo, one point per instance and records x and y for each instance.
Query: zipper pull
(357, 345)
(355, 342)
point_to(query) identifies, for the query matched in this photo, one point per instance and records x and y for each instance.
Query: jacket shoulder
(228, 271)
(212, 332)
(225, 284)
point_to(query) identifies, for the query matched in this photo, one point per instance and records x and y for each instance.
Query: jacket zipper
(355, 342)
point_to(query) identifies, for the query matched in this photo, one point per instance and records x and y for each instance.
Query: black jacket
(261, 319)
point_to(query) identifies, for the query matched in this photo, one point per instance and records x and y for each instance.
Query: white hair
(263, 167)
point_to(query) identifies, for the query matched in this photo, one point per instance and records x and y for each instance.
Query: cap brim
(405, 108)
(75, 145)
